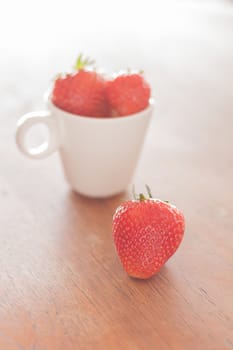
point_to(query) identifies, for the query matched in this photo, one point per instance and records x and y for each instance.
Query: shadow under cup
(99, 155)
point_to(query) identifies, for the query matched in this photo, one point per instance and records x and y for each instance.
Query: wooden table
(61, 284)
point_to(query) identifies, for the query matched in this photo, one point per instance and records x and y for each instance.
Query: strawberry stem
(142, 197)
(82, 62)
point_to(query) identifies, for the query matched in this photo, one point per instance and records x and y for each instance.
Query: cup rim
(48, 100)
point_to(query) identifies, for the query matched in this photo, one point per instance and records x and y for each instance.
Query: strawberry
(146, 232)
(82, 92)
(128, 94)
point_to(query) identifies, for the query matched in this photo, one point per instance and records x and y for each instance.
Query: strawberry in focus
(82, 92)
(128, 94)
(146, 232)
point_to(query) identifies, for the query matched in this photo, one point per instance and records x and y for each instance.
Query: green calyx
(141, 197)
(83, 62)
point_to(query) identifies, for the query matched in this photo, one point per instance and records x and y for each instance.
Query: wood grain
(61, 283)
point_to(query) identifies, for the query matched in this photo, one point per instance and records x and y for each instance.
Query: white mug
(99, 155)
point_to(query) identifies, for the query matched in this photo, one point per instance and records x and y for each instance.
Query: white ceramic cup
(99, 155)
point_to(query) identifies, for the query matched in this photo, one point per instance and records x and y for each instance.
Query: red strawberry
(146, 232)
(81, 93)
(128, 94)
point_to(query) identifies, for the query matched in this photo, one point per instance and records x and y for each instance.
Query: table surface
(61, 283)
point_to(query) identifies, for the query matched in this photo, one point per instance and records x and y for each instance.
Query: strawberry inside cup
(85, 92)
(128, 94)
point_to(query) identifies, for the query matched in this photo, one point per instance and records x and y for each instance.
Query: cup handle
(24, 124)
